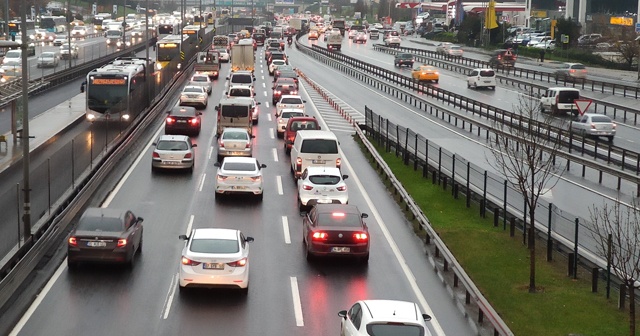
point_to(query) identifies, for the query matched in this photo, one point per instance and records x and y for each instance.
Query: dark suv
(503, 57)
(403, 59)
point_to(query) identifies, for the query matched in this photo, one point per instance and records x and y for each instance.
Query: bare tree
(616, 230)
(526, 157)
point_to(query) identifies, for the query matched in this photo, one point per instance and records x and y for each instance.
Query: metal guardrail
(627, 113)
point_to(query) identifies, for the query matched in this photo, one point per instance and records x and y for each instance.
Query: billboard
(284, 2)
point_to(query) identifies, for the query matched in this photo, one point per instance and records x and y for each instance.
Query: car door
(353, 323)
(581, 123)
(473, 77)
(133, 228)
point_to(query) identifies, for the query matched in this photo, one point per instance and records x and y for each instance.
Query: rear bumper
(320, 249)
(109, 256)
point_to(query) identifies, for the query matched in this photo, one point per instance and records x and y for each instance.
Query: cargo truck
(242, 56)
(334, 41)
(208, 63)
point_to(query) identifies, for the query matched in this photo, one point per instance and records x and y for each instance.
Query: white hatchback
(383, 317)
(321, 185)
(274, 64)
(284, 117)
(239, 175)
(478, 78)
(215, 258)
(289, 102)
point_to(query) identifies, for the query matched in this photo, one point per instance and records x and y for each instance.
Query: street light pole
(26, 217)
(69, 19)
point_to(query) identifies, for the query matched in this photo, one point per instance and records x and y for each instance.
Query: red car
(296, 124)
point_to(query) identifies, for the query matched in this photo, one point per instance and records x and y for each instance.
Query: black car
(503, 57)
(183, 120)
(259, 37)
(403, 59)
(105, 235)
(336, 230)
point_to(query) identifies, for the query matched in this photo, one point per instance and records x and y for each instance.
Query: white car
(442, 47)
(319, 185)
(352, 33)
(289, 102)
(203, 81)
(194, 95)
(234, 142)
(392, 41)
(595, 125)
(214, 257)
(79, 32)
(60, 39)
(454, 50)
(478, 78)
(383, 317)
(239, 175)
(283, 119)
(275, 63)
(69, 51)
(224, 55)
(48, 59)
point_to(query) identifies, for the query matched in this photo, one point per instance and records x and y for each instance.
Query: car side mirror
(249, 239)
(217, 108)
(226, 93)
(154, 144)
(343, 314)
(194, 145)
(304, 101)
(426, 317)
(199, 113)
(263, 166)
(183, 237)
(217, 164)
(364, 215)
(140, 219)
(344, 177)
(227, 78)
(252, 136)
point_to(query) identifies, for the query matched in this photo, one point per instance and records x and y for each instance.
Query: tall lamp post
(26, 217)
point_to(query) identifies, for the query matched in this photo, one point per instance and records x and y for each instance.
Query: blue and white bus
(56, 24)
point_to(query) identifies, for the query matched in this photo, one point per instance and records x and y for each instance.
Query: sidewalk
(42, 128)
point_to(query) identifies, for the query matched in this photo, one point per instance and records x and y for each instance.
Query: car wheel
(191, 168)
(542, 110)
(365, 259)
(218, 196)
(139, 251)
(181, 289)
(255, 122)
(610, 138)
(260, 196)
(300, 206)
(436, 81)
(468, 85)
(219, 158)
(72, 265)
(280, 135)
(132, 261)
(493, 88)
(307, 254)
(244, 291)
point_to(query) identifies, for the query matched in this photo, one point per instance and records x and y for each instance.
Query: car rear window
(404, 56)
(239, 166)
(324, 179)
(241, 78)
(578, 66)
(304, 125)
(172, 145)
(292, 114)
(184, 112)
(100, 224)
(235, 136)
(291, 101)
(193, 90)
(319, 146)
(600, 119)
(214, 246)
(568, 96)
(394, 330)
(340, 219)
(487, 73)
(240, 92)
(231, 111)
(199, 79)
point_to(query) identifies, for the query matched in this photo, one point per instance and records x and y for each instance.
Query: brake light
(294, 92)
(187, 156)
(221, 177)
(307, 187)
(73, 241)
(298, 163)
(342, 188)
(593, 126)
(122, 242)
(319, 236)
(572, 70)
(338, 214)
(360, 236)
(170, 120)
(220, 143)
(338, 162)
(156, 155)
(256, 178)
(238, 263)
(613, 125)
(189, 262)
(194, 121)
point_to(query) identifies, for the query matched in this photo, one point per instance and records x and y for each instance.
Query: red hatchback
(296, 124)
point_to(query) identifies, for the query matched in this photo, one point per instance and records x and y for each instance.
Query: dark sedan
(105, 235)
(183, 120)
(336, 230)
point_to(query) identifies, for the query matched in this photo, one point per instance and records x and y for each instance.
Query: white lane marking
(264, 85)
(170, 294)
(269, 117)
(124, 178)
(271, 135)
(189, 225)
(275, 154)
(27, 315)
(266, 104)
(279, 184)
(265, 93)
(262, 77)
(426, 308)
(202, 182)
(297, 307)
(210, 152)
(285, 229)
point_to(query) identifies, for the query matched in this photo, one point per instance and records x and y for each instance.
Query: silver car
(234, 142)
(596, 125)
(319, 185)
(203, 81)
(48, 59)
(173, 152)
(239, 175)
(194, 95)
(571, 72)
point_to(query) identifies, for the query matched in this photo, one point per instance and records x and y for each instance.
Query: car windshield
(319, 146)
(100, 224)
(235, 136)
(324, 179)
(394, 330)
(291, 101)
(339, 219)
(240, 166)
(292, 114)
(172, 145)
(600, 119)
(214, 246)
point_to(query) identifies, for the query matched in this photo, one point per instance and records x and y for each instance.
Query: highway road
(111, 300)
(114, 300)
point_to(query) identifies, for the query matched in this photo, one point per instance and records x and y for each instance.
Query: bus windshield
(166, 52)
(106, 98)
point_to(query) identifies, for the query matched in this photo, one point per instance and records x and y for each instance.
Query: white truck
(242, 56)
(296, 23)
(334, 41)
(208, 63)
(221, 41)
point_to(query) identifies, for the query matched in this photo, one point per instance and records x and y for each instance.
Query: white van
(560, 100)
(478, 78)
(235, 112)
(314, 148)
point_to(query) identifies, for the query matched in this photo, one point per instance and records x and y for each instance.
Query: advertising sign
(621, 21)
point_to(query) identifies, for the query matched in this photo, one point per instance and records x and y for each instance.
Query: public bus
(98, 21)
(193, 31)
(56, 24)
(168, 49)
(116, 91)
(15, 26)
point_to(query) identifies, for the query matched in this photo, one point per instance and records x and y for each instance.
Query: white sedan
(214, 257)
(239, 175)
(194, 95)
(283, 119)
(319, 185)
(289, 102)
(275, 63)
(203, 81)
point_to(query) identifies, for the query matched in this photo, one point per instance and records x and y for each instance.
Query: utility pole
(147, 73)
(69, 19)
(26, 217)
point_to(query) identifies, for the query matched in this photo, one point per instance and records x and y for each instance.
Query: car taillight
(294, 92)
(360, 236)
(238, 263)
(572, 70)
(221, 177)
(248, 145)
(298, 163)
(307, 187)
(557, 99)
(256, 178)
(170, 120)
(338, 162)
(280, 121)
(613, 125)
(220, 143)
(155, 155)
(320, 236)
(189, 262)
(122, 242)
(194, 121)
(342, 188)
(73, 241)
(593, 126)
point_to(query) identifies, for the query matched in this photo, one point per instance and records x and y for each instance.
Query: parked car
(595, 125)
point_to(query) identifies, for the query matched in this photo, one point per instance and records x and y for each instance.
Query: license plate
(97, 244)
(171, 162)
(324, 201)
(487, 81)
(238, 187)
(341, 249)
(319, 161)
(182, 121)
(215, 266)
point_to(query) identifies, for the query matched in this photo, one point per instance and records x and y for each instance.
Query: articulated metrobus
(56, 24)
(116, 91)
(193, 31)
(168, 49)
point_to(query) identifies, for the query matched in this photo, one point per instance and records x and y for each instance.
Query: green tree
(567, 27)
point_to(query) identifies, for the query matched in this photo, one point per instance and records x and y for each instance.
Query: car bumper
(181, 129)
(227, 188)
(322, 249)
(428, 78)
(235, 152)
(239, 278)
(312, 200)
(105, 256)
(198, 102)
(601, 133)
(166, 164)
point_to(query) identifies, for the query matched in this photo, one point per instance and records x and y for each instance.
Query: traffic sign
(200, 39)
(214, 30)
(583, 105)
(182, 55)
(638, 27)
